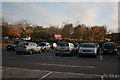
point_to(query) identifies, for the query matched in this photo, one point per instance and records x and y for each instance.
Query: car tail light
(24, 46)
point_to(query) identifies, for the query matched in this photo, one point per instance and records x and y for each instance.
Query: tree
(81, 32)
(98, 33)
(39, 32)
(14, 31)
(67, 31)
(5, 29)
(25, 27)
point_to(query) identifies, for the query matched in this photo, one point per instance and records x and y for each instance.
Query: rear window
(26, 44)
(62, 44)
(23, 44)
(41, 44)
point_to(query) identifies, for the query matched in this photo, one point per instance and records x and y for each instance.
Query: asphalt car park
(47, 65)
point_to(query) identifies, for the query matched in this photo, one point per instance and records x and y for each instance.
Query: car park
(45, 46)
(12, 45)
(109, 48)
(27, 48)
(64, 48)
(88, 49)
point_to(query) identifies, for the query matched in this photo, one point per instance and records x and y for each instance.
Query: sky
(56, 13)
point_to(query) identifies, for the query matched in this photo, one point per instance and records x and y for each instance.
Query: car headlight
(80, 50)
(105, 49)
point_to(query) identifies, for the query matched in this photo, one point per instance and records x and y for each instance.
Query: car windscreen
(62, 44)
(88, 45)
(109, 46)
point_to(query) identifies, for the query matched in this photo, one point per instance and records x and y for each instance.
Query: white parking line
(50, 72)
(102, 77)
(75, 66)
(46, 75)
(101, 57)
(5, 69)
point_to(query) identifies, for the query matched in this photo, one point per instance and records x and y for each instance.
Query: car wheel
(50, 49)
(31, 52)
(8, 49)
(95, 56)
(98, 51)
(40, 51)
(18, 53)
(56, 54)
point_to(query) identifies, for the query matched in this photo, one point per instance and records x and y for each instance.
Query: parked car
(64, 48)
(88, 49)
(53, 45)
(45, 46)
(27, 48)
(118, 47)
(109, 48)
(12, 45)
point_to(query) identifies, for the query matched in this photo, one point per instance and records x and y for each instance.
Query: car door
(48, 46)
(35, 47)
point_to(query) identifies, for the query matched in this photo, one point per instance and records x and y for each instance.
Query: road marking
(102, 77)
(5, 69)
(74, 66)
(46, 75)
(101, 57)
(51, 56)
(96, 75)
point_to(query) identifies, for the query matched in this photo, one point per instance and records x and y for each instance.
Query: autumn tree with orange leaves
(98, 33)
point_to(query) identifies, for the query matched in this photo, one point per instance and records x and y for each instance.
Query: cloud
(47, 14)
(113, 21)
(83, 12)
(90, 15)
(60, 1)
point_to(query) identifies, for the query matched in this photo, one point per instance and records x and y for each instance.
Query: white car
(45, 46)
(88, 49)
(64, 48)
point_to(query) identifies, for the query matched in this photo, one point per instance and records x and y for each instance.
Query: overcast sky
(55, 13)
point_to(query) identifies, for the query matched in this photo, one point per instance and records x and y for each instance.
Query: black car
(118, 47)
(12, 45)
(109, 48)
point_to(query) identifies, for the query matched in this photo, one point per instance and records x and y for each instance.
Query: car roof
(27, 42)
(109, 42)
(88, 43)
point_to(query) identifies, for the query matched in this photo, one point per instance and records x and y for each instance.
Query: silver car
(64, 48)
(88, 49)
(27, 47)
